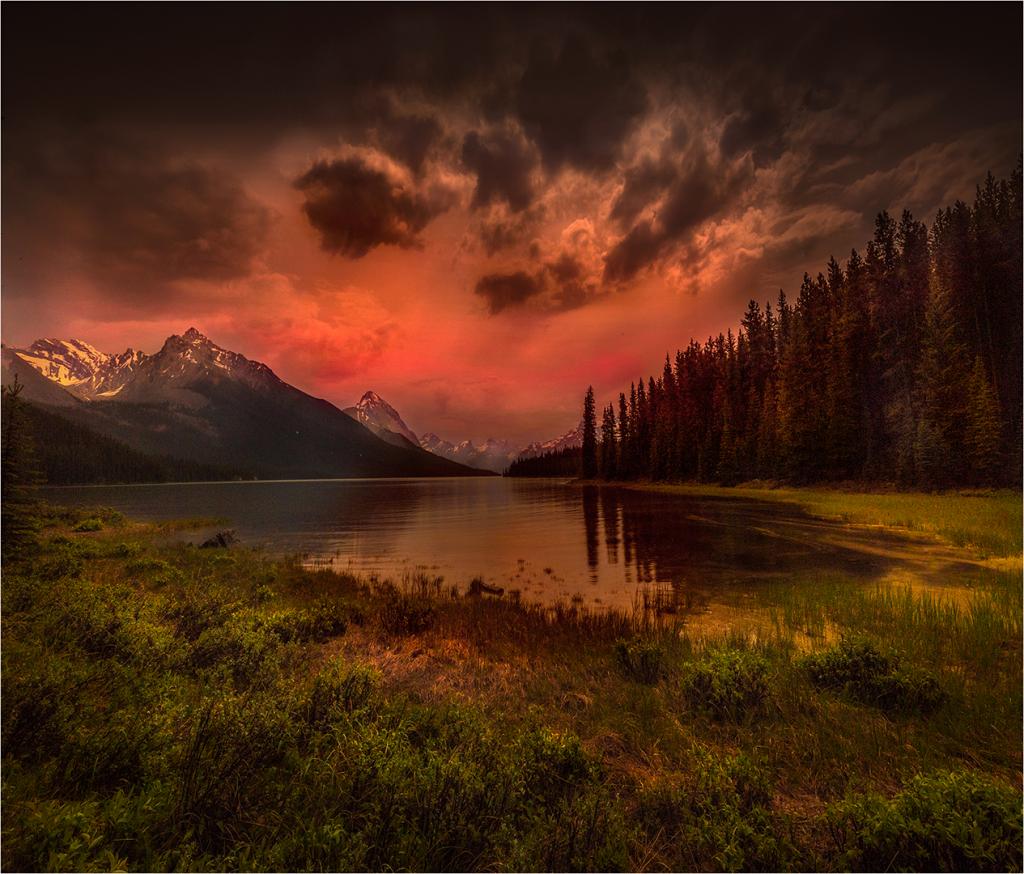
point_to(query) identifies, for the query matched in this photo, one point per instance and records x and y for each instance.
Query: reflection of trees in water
(679, 546)
(590, 524)
(610, 517)
(685, 547)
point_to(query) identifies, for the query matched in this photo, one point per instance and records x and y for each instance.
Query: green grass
(167, 707)
(990, 522)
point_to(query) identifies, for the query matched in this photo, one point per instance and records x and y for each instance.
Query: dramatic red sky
(474, 211)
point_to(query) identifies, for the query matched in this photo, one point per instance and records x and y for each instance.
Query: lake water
(549, 539)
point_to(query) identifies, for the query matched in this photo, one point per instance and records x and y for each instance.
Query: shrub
(729, 684)
(322, 621)
(858, 669)
(59, 564)
(554, 764)
(640, 660)
(195, 611)
(718, 816)
(90, 524)
(242, 648)
(585, 833)
(947, 821)
(124, 550)
(230, 764)
(40, 695)
(337, 689)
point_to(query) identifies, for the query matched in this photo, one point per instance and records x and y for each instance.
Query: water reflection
(545, 539)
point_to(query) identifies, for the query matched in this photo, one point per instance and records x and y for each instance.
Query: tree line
(900, 365)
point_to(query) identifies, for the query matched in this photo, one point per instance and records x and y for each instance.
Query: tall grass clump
(641, 660)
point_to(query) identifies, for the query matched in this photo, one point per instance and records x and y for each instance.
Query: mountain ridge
(197, 400)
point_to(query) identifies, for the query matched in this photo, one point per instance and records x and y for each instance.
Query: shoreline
(350, 702)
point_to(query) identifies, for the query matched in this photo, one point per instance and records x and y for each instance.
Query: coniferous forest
(902, 364)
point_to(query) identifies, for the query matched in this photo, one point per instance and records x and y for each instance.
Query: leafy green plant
(716, 816)
(730, 684)
(858, 669)
(337, 689)
(946, 821)
(322, 621)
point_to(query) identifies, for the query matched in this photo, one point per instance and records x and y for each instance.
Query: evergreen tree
(589, 436)
(982, 437)
(18, 474)
(868, 374)
(624, 438)
(609, 447)
(941, 393)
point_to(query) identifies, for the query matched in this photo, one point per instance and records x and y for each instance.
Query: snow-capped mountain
(194, 399)
(569, 440)
(91, 375)
(493, 454)
(81, 369)
(379, 416)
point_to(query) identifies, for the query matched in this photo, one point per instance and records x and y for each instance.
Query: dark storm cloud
(827, 105)
(127, 214)
(641, 185)
(356, 207)
(504, 290)
(578, 105)
(503, 163)
(572, 286)
(409, 137)
(701, 189)
(758, 131)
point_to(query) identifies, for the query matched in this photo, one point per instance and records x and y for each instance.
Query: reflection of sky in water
(548, 539)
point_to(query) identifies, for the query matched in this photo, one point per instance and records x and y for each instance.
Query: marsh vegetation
(169, 707)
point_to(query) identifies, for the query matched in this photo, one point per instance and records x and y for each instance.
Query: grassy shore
(168, 707)
(988, 522)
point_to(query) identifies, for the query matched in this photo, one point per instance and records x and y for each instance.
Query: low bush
(859, 670)
(730, 684)
(322, 621)
(337, 689)
(243, 649)
(716, 816)
(640, 660)
(947, 821)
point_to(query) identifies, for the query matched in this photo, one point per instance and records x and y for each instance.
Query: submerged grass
(167, 707)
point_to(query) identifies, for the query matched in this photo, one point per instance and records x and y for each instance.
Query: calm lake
(549, 539)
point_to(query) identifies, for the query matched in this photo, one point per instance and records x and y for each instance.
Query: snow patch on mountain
(569, 440)
(183, 360)
(378, 415)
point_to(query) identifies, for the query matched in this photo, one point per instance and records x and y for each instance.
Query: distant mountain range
(495, 455)
(195, 400)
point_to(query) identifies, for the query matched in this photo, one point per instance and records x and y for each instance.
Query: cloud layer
(462, 204)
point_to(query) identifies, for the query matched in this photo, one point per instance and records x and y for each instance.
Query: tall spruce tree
(589, 436)
(982, 438)
(867, 375)
(19, 474)
(609, 447)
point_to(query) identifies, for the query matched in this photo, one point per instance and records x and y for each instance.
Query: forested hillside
(68, 453)
(559, 462)
(901, 365)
